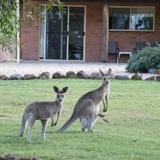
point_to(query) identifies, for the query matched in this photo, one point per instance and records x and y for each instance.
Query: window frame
(130, 8)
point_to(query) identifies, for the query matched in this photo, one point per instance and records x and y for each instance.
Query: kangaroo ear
(109, 71)
(64, 90)
(101, 72)
(55, 89)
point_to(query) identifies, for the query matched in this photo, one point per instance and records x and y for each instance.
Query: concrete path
(54, 66)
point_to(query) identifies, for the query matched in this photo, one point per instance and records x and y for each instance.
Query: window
(142, 18)
(119, 18)
(131, 19)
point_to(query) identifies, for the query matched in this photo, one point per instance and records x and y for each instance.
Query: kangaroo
(42, 111)
(87, 107)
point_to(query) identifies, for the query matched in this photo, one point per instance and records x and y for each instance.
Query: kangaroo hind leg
(31, 121)
(44, 126)
(83, 121)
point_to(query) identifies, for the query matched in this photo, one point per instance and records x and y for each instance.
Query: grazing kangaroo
(42, 111)
(87, 107)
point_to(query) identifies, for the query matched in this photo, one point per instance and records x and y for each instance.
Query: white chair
(124, 53)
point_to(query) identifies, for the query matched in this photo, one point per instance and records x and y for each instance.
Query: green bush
(146, 59)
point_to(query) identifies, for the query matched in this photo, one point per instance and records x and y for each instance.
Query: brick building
(84, 29)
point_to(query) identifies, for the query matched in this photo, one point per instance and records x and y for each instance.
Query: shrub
(146, 59)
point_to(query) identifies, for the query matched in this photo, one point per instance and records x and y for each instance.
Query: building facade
(83, 30)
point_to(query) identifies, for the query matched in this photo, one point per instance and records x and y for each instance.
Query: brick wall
(94, 30)
(30, 40)
(127, 40)
(94, 35)
(93, 50)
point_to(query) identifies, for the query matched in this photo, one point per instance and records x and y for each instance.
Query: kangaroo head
(106, 76)
(60, 93)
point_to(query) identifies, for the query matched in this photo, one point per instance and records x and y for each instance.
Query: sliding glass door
(76, 33)
(64, 34)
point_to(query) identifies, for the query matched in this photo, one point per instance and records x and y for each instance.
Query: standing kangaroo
(42, 111)
(87, 107)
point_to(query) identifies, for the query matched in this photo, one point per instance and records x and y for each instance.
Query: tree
(10, 22)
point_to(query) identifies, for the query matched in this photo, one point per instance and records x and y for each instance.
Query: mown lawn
(133, 132)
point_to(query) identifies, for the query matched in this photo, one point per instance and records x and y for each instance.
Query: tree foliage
(9, 21)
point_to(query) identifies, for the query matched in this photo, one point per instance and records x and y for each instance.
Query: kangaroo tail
(23, 125)
(68, 123)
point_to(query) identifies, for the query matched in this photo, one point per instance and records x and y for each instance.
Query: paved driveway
(52, 67)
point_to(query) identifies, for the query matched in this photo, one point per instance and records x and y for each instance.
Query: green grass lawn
(133, 132)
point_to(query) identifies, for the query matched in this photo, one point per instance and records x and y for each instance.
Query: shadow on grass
(66, 132)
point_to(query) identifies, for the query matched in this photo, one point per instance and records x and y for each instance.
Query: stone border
(81, 75)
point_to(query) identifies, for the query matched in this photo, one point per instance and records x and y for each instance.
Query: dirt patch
(10, 157)
(1, 115)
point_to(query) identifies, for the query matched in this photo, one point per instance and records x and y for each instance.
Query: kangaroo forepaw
(52, 125)
(105, 110)
(55, 124)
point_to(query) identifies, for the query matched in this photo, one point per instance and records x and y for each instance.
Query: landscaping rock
(82, 74)
(57, 75)
(15, 77)
(44, 75)
(158, 71)
(95, 75)
(29, 76)
(70, 74)
(8, 157)
(137, 76)
(3, 77)
(122, 77)
(151, 77)
(158, 78)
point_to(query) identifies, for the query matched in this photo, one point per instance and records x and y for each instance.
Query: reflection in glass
(56, 34)
(65, 33)
(142, 18)
(134, 19)
(119, 18)
(76, 33)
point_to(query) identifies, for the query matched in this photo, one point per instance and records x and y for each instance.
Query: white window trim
(42, 52)
(130, 30)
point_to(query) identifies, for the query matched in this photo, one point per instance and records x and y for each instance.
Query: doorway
(64, 34)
